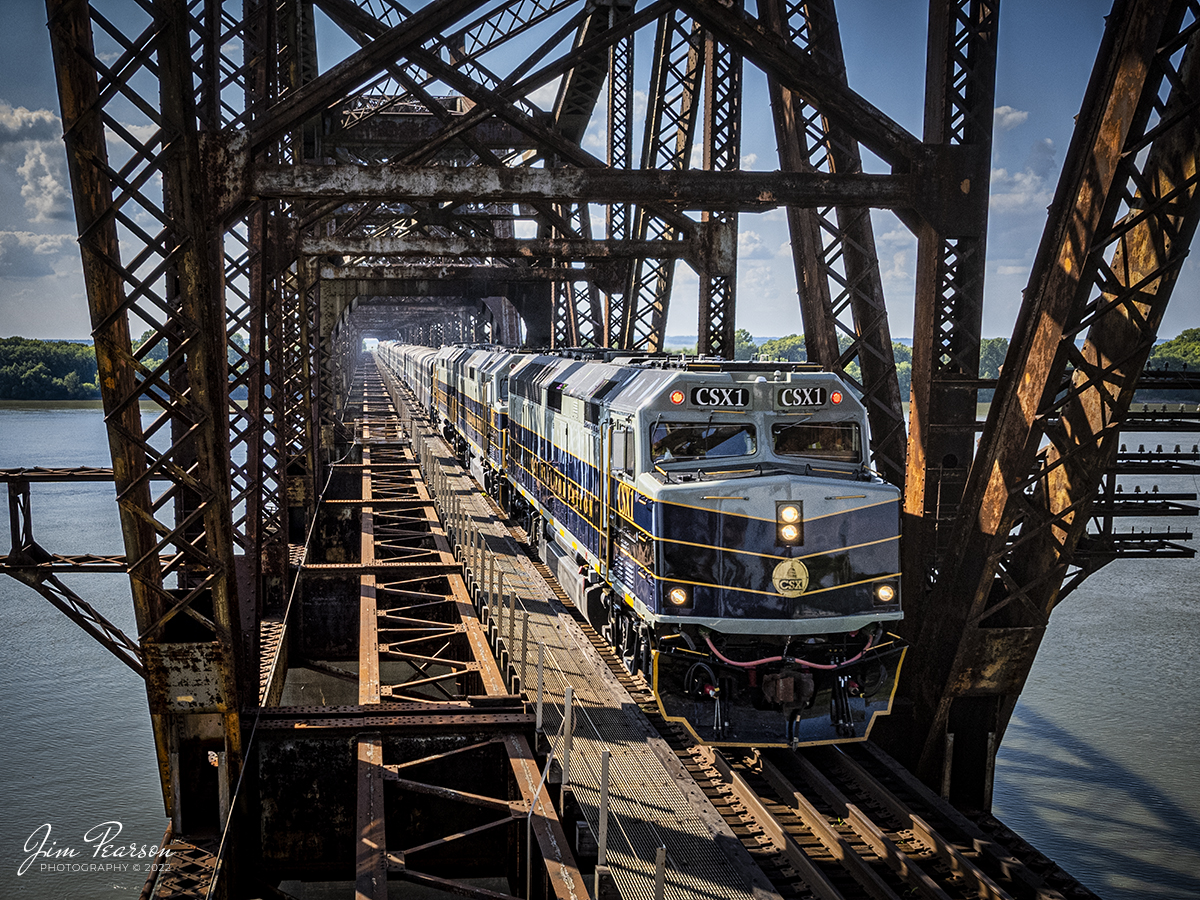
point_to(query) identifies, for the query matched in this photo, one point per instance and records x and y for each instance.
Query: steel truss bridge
(258, 218)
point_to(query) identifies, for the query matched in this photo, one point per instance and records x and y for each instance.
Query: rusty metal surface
(428, 694)
(837, 268)
(1099, 275)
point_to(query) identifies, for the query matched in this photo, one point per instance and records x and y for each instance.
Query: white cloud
(1012, 270)
(895, 237)
(596, 139)
(898, 274)
(545, 95)
(1019, 191)
(752, 246)
(140, 133)
(24, 254)
(44, 189)
(18, 124)
(757, 278)
(31, 142)
(1008, 118)
(749, 160)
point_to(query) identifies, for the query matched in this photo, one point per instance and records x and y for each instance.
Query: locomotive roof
(627, 388)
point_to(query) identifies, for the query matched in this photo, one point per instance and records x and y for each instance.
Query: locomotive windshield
(671, 441)
(840, 441)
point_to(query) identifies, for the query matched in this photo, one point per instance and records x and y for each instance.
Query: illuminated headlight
(678, 596)
(885, 593)
(677, 397)
(789, 523)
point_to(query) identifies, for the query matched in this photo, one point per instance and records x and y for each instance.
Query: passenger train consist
(718, 522)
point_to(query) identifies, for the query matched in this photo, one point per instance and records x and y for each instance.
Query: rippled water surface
(77, 749)
(1099, 769)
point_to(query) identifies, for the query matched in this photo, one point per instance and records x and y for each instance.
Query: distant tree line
(61, 370)
(991, 356)
(47, 370)
(1182, 352)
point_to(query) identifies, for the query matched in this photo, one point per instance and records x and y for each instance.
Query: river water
(1100, 768)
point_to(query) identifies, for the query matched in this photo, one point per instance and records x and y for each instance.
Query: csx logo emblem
(790, 578)
(714, 396)
(811, 396)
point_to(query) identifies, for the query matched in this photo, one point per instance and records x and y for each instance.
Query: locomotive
(718, 522)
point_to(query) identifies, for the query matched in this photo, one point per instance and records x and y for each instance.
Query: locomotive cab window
(676, 441)
(840, 441)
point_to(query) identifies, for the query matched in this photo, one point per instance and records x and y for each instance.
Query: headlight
(678, 596)
(789, 522)
(886, 593)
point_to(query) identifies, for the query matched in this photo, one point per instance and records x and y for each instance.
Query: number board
(720, 396)
(792, 397)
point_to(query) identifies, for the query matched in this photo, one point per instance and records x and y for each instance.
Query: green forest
(60, 370)
(65, 370)
(47, 370)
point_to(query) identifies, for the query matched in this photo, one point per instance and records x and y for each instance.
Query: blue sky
(1046, 51)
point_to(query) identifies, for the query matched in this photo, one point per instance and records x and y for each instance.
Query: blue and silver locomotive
(718, 522)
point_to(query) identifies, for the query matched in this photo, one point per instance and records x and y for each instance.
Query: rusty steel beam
(64, 474)
(486, 247)
(833, 250)
(960, 88)
(30, 564)
(393, 280)
(681, 188)
(327, 89)
(578, 314)
(667, 138)
(1103, 272)
(169, 286)
(78, 610)
(362, 27)
(722, 152)
(797, 71)
(619, 155)
(370, 881)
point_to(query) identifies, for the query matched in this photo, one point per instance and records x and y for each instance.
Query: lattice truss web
(535, 85)
(213, 97)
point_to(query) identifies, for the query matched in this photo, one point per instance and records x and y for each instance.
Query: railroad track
(846, 821)
(840, 822)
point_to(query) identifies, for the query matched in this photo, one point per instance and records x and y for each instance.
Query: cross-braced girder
(1124, 214)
